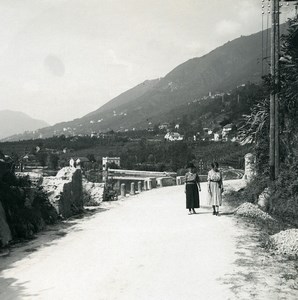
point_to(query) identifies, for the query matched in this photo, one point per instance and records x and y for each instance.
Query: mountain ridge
(232, 64)
(16, 122)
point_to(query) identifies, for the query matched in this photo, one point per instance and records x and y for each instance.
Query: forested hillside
(231, 65)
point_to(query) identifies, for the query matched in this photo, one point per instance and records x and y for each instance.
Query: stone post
(178, 180)
(123, 192)
(139, 186)
(250, 167)
(132, 188)
(149, 184)
(160, 182)
(145, 185)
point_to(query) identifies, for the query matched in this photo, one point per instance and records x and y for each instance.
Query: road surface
(145, 247)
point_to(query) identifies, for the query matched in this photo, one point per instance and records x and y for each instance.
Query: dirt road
(146, 247)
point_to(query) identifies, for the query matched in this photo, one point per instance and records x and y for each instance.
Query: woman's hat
(190, 165)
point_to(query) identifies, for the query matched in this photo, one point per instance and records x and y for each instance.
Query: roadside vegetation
(281, 195)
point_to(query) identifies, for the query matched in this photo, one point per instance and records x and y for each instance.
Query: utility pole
(277, 89)
(272, 94)
(274, 141)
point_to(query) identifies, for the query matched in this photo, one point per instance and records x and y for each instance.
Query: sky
(61, 59)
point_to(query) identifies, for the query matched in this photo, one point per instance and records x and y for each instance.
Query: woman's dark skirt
(192, 196)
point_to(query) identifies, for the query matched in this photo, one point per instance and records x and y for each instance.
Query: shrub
(24, 219)
(284, 200)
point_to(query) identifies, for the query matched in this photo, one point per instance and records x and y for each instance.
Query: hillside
(14, 122)
(226, 67)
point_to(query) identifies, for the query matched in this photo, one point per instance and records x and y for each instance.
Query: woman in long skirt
(192, 188)
(215, 188)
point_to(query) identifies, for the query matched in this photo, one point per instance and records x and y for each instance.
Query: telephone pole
(274, 141)
(273, 96)
(277, 88)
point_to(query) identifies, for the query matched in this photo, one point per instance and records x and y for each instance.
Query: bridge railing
(138, 173)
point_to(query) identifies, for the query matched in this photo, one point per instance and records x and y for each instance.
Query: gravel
(252, 211)
(285, 242)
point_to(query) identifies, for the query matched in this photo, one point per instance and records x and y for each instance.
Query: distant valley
(15, 122)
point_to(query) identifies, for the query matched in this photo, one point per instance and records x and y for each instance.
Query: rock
(250, 167)
(252, 211)
(285, 242)
(65, 191)
(92, 193)
(263, 200)
(5, 234)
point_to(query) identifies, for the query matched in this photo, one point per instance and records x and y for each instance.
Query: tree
(53, 161)
(91, 157)
(288, 93)
(42, 158)
(112, 165)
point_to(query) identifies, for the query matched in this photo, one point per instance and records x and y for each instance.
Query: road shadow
(226, 213)
(10, 289)
(21, 249)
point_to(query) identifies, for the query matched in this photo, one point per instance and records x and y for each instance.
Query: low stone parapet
(138, 173)
(165, 181)
(180, 180)
(119, 180)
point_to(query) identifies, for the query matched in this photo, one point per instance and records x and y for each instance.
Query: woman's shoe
(214, 213)
(217, 213)
(194, 211)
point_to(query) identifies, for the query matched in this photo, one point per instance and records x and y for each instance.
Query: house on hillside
(226, 131)
(79, 162)
(109, 160)
(207, 131)
(217, 137)
(67, 150)
(173, 136)
(164, 126)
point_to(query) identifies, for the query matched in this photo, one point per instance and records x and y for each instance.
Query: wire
(267, 41)
(263, 50)
(262, 43)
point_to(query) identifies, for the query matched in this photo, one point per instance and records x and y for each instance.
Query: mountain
(15, 122)
(233, 64)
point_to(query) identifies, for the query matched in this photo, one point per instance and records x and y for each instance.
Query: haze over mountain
(15, 122)
(236, 62)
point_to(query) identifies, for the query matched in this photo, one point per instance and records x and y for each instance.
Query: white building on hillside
(173, 136)
(108, 160)
(226, 131)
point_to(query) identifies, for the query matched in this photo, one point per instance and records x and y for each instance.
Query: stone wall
(65, 191)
